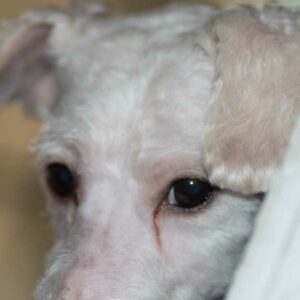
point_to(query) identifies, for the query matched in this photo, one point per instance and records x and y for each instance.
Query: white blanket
(270, 269)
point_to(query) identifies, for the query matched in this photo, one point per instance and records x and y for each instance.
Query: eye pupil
(189, 193)
(61, 180)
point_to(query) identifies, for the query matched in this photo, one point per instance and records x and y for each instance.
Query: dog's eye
(61, 180)
(189, 193)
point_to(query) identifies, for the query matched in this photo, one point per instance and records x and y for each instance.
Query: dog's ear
(255, 103)
(29, 48)
(27, 70)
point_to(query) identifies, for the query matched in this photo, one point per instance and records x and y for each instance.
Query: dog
(161, 132)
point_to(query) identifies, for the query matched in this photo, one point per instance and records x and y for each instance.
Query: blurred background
(25, 235)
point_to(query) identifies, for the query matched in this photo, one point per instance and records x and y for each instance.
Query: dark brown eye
(189, 193)
(61, 180)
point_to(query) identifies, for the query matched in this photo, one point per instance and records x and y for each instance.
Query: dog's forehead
(145, 99)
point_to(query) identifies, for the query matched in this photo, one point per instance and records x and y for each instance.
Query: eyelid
(48, 153)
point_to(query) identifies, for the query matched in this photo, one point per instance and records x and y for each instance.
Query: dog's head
(127, 104)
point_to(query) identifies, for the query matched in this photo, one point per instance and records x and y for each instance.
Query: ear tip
(43, 27)
(24, 46)
(39, 31)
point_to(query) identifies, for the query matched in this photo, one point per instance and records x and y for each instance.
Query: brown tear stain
(156, 228)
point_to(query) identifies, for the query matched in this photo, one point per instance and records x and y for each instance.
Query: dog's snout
(109, 264)
(86, 284)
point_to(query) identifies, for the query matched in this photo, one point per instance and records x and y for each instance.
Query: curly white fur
(133, 103)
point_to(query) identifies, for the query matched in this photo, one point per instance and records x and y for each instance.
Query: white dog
(160, 131)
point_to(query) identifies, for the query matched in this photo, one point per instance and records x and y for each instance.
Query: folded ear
(255, 103)
(27, 70)
(28, 50)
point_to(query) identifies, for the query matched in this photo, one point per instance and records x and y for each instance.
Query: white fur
(130, 117)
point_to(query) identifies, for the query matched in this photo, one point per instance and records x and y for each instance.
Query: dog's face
(140, 219)
(122, 158)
